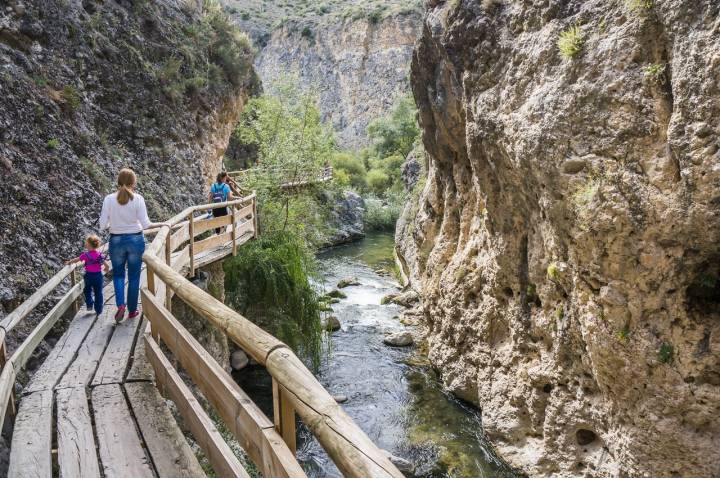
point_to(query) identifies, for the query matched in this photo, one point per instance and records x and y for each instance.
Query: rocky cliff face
(357, 66)
(90, 87)
(566, 239)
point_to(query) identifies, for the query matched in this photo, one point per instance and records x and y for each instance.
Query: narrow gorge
(565, 242)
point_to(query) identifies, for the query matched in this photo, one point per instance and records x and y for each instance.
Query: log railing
(271, 445)
(10, 367)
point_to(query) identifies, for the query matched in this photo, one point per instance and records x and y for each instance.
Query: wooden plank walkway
(110, 419)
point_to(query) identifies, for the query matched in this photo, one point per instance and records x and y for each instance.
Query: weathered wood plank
(244, 419)
(12, 319)
(355, 455)
(219, 454)
(179, 236)
(121, 450)
(181, 259)
(30, 451)
(77, 456)
(244, 213)
(62, 354)
(168, 448)
(141, 370)
(115, 360)
(209, 224)
(7, 387)
(212, 242)
(82, 369)
(23, 352)
(284, 416)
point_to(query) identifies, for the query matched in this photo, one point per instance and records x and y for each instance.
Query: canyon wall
(567, 239)
(89, 87)
(358, 67)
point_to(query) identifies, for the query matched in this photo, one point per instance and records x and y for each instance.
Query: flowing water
(393, 395)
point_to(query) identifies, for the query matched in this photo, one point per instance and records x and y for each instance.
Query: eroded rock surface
(87, 88)
(608, 164)
(358, 67)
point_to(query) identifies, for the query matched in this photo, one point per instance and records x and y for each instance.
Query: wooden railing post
(234, 230)
(255, 218)
(168, 261)
(284, 415)
(10, 410)
(191, 229)
(73, 281)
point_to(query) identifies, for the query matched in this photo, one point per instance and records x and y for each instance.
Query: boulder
(346, 219)
(347, 282)
(239, 360)
(331, 323)
(399, 339)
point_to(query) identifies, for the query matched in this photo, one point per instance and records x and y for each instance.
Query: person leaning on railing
(125, 214)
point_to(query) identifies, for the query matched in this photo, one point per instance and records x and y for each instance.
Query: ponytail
(126, 181)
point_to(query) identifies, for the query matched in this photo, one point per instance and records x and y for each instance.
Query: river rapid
(393, 394)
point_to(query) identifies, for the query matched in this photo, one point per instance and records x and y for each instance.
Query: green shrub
(169, 70)
(71, 97)
(307, 33)
(623, 334)
(269, 282)
(665, 353)
(655, 72)
(570, 42)
(640, 6)
(553, 272)
(351, 166)
(559, 313)
(378, 181)
(53, 143)
(382, 215)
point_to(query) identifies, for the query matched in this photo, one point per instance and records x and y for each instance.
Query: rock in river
(331, 323)
(348, 281)
(399, 339)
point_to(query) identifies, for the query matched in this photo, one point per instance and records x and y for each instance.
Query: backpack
(218, 195)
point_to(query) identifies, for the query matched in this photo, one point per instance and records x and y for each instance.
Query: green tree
(397, 132)
(293, 145)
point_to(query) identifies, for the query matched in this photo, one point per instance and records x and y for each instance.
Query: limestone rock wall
(357, 67)
(566, 241)
(87, 88)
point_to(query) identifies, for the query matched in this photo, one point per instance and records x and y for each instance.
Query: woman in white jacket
(125, 214)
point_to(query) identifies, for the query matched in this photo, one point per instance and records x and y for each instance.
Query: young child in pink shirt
(95, 263)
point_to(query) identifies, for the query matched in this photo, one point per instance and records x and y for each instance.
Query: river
(393, 395)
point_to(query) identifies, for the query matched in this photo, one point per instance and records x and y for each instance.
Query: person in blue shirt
(220, 192)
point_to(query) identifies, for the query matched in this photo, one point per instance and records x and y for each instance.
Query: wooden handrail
(22, 311)
(346, 444)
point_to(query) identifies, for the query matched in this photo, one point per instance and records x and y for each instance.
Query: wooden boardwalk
(96, 408)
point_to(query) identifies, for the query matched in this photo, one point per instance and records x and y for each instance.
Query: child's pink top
(93, 261)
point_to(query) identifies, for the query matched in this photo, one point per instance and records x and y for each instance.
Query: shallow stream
(393, 395)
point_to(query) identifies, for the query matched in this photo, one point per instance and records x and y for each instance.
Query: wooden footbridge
(97, 405)
(288, 178)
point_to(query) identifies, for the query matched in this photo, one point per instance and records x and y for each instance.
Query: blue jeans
(126, 250)
(94, 287)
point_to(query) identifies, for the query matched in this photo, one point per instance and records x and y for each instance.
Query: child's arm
(72, 261)
(106, 266)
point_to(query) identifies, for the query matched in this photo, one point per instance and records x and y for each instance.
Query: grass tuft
(665, 353)
(570, 43)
